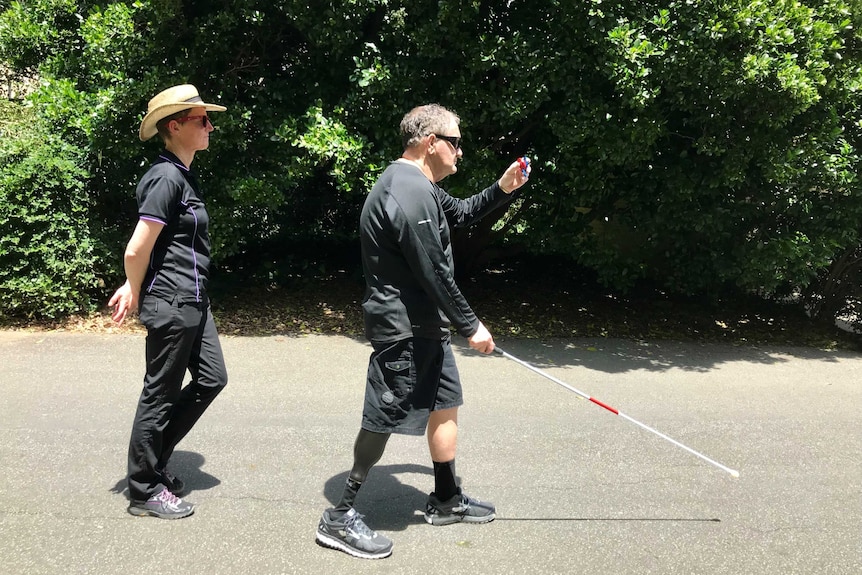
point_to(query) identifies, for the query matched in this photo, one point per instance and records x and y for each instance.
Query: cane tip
(734, 473)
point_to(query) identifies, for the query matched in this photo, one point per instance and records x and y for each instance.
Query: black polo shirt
(179, 265)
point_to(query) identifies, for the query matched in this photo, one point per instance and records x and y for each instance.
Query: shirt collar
(167, 156)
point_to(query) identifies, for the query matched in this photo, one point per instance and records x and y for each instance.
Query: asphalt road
(577, 489)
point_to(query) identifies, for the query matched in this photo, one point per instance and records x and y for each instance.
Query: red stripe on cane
(606, 406)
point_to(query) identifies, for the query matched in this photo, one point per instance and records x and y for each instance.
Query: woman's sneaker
(459, 508)
(164, 505)
(174, 484)
(351, 535)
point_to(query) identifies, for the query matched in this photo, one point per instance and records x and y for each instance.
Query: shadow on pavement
(387, 503)
(621, 356)
(613, 519)
(185, 465)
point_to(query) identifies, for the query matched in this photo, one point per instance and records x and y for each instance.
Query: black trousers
(180, 337)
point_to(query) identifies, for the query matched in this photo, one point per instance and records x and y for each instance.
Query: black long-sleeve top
(407, 255)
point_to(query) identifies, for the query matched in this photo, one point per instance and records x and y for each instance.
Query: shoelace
(463, 505)
(357, 525)
(169, 498)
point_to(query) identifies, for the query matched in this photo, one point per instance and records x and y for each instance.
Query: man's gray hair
(425, 120)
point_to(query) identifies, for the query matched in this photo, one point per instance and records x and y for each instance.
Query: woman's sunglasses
(205, 120)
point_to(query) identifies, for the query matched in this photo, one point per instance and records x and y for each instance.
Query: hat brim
(149, 127)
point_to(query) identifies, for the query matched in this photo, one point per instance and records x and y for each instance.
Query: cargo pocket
(398, 380)
(391, 379)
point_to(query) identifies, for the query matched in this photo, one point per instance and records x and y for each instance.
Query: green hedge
(699, 146)
(47, 262)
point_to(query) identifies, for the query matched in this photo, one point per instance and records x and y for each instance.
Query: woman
(167, 268)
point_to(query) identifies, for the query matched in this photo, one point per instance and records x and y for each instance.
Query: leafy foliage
(47, 257)
(703, 147)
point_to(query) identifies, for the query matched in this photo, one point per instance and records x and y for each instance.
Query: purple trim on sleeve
(152, 219)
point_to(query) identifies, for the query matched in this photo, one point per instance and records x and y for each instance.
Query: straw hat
(169, 102)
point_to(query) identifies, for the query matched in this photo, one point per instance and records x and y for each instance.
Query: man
(410, 303)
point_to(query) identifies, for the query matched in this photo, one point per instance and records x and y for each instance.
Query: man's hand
(482, 341)
(125, 299)
(513, 178)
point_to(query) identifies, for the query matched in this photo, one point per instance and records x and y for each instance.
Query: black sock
(351, 488)
(444, 480)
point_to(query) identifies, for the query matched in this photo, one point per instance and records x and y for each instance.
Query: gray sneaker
(164, 505)
(351, 535)
(459, 508)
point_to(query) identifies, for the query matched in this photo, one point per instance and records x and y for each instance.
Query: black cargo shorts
(407, 380)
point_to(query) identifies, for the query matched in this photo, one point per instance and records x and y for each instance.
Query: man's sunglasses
(205, 120)
(454, 140)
